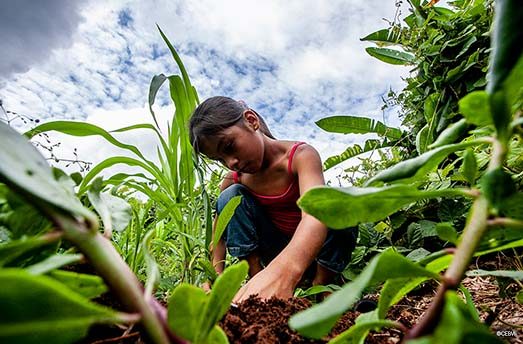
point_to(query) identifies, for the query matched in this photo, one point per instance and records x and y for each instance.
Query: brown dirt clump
(259, 321)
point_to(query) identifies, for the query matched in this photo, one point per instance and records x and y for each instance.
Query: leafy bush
(492, 189)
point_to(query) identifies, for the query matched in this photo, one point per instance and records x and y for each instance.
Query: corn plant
(43, 304)
(182, 206)
(496, 203)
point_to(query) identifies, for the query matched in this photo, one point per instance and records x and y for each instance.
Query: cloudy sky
(293, 61)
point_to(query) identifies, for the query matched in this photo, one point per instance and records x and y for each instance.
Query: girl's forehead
(212, 145)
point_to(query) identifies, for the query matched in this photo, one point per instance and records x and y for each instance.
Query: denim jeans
(250, 229)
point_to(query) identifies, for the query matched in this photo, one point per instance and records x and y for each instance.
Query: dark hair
(216, 114)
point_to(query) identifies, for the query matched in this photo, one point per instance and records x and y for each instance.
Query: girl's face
(239, 147)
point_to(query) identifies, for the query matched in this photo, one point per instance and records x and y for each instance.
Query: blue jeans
(250, 229)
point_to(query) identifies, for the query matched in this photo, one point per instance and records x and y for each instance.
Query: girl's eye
(228, 148)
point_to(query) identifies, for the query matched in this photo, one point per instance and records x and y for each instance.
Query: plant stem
(505, 222)
(110, 265)
(476, 226)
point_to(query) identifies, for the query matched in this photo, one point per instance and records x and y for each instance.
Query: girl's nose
(232, 163)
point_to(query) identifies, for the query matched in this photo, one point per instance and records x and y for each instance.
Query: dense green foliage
(451, 177)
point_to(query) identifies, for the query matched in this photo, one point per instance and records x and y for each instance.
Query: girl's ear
(251, 119)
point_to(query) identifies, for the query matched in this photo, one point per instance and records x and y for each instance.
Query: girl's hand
(271, 281)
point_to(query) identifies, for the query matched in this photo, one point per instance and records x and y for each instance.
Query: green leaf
(383, 36)
(391, 56)
(519, 297)
(357, 333)
(186, 306)
(475, 107)
(517, 275)
(317, 321)
(513, 85)
(217, 336)
(33, 177)
(15, 248)
(53, 262)
(451, 134)
(81, 129)
(114, 211)
(346, 207)
(416, 168)
(153, 272)
(37, 309)
(423, 139)
(497, 185)
(89, 286)
(355, 150)
(418, 254)
(469, 168)
(192, 314)
(357, 125)
(395, 289)
(156, 82)
(506, 39)
(447, 232)
(222, 293)
(458, 324)
(224, 218)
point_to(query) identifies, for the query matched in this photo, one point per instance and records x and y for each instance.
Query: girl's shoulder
(303, 155)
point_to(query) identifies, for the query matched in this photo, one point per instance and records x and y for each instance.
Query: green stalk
(474, 230)
(110, 265)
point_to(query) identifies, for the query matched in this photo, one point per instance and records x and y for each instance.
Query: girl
(277, 239)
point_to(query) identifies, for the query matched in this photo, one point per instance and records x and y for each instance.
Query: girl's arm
(282, 275)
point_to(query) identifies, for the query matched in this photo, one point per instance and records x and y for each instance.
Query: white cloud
(294, 61)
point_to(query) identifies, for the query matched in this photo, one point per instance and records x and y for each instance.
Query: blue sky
(294, 61)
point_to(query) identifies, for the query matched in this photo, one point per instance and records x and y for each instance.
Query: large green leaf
(222, 293)
(81, 129)
(347, 207)
(507, 35)
(33, 177)
(193, 315)
(317, 321)
(37, 309)
(355, 150)
(357, 125)
(391, 56)
(416, 168)
(186, 306)
(93, 173)
(224, 218)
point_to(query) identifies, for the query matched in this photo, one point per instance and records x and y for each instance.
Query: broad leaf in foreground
(346, 207)
(37, 309)
(317, 321)
(33, 176)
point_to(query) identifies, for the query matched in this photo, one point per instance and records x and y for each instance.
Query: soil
(257, 321)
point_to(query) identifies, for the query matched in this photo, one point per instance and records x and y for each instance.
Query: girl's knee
(227, 194)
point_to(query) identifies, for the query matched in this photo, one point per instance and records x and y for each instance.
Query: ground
(256, 321)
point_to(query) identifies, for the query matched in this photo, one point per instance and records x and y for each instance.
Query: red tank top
(282, 209)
